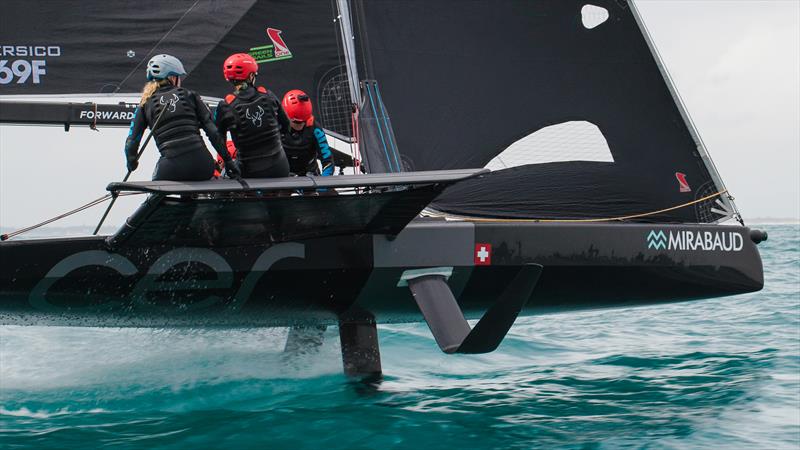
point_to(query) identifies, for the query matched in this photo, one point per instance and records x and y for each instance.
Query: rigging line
(119, 86)
(354, 146)
(389, 133)
(93, 125)
(339, 50)
(94, 202)
(608, 219)
(378, 123)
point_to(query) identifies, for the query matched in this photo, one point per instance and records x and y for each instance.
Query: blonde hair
(150, 88)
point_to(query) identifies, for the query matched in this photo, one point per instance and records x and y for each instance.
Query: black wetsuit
(255, 119)
(304, 147)
(184, 156)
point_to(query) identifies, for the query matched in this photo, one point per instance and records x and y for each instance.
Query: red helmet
(239, 66)
(297, 105)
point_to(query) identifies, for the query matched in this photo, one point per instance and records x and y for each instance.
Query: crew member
(255, 119)
(175, 115)
(305, 143)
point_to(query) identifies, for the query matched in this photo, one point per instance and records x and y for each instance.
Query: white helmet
(163, 66)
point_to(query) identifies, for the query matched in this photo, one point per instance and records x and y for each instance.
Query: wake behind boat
(600, 193)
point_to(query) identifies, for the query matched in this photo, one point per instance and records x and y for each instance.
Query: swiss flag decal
(483, 254)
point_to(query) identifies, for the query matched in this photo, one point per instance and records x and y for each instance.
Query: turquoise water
(720, 373)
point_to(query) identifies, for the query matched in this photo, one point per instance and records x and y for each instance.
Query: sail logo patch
(255, 117)
(276, 51)
(21, 64)
(281, 49)
(483, 254)
(171, 103)
(682, 183)
(687, 240)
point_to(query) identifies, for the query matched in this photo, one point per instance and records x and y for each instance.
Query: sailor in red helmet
(255, 119)
(305, 143)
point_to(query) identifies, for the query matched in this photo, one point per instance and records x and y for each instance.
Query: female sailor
(305, 143)
(175, 115)
(255, 119)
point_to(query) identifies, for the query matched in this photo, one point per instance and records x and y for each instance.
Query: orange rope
(609, 219)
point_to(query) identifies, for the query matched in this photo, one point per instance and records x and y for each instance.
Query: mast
(347, 35)
(346, 28)
(727, 200)
(372, 129)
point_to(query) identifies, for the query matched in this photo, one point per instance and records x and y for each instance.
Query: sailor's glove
(132, 165)
(233, 169)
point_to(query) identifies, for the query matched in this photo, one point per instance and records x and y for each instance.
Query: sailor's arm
(204, 118)
(138, 125)
(220, 121)
(324, 152)
(216, 138)
(217, 132)
(219, 118)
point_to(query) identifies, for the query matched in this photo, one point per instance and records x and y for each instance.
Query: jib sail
(58, 47)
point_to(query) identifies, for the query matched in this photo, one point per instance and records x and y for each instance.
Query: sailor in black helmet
(175, 115)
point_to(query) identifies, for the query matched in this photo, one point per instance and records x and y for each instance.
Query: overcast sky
(737, 67)
(735, 63)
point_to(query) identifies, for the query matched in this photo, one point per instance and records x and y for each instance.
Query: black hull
(76, 281)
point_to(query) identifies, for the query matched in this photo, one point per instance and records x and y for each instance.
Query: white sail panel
(577, 140)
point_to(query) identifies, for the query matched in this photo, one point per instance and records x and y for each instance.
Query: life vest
(301, 150)
(255, 128)
(177, 131)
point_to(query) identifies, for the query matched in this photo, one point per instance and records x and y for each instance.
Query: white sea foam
(41, 414)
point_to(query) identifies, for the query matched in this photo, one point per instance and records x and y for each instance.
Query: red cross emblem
(483, 254)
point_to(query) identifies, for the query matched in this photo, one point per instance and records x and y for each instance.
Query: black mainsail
(462, 81)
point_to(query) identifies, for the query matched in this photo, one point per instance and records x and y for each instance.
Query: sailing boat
(600, 194)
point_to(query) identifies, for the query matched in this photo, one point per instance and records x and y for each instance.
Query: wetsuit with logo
(255, 119)
(303, 149)
(184, 156)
